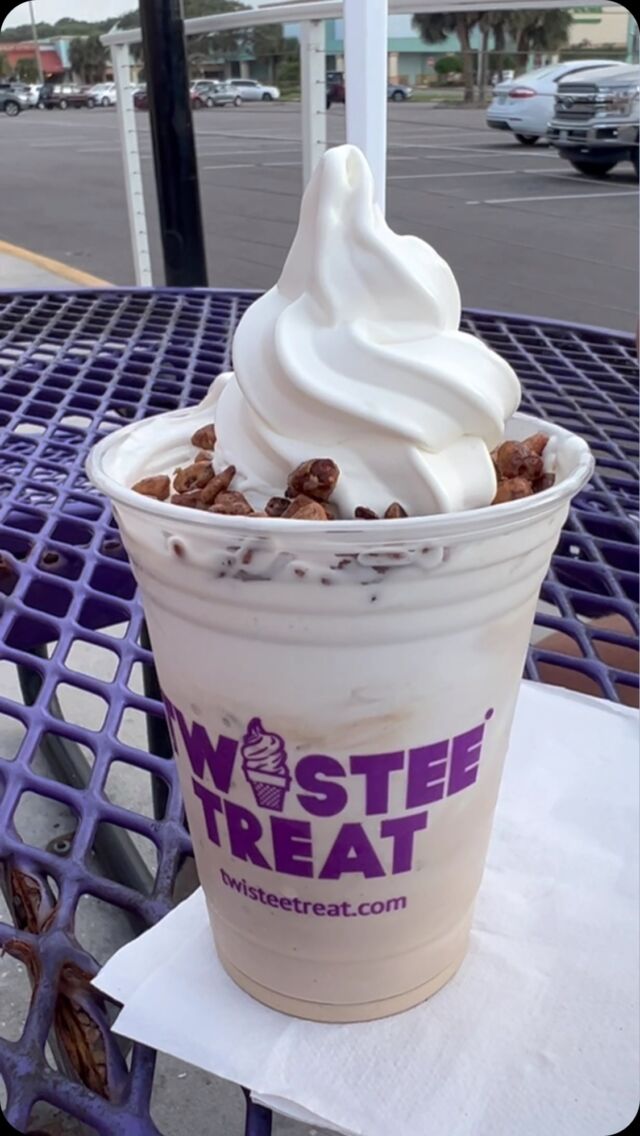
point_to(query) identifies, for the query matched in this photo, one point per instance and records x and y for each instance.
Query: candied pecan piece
(513, 459)
(194, 476)
(536, 443)
(395, 511)
(218, 484)
(276, 506)
(205, 438)
(364, 514)
(544, 482)
(232, 504)
(304, 508)
(317, 479)
(190, 500)
(158, 487)
(511, 489)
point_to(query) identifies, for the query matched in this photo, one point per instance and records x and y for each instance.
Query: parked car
(11, 102)
(29, 92)
(141, 99)
(21, 92)
(209, 93)
(525, 105)
(104, 94)
(398, 92)
(596, 120)
(336, 91)
(252, 91)
(65, 96)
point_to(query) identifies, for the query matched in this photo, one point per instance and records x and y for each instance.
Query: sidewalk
(22, 270)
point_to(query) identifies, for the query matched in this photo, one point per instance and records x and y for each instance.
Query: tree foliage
(88, 58)
(27, 70)
(448, 65)
(530, 30)
(437, 27)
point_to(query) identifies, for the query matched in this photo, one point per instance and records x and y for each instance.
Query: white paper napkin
(536, 1034)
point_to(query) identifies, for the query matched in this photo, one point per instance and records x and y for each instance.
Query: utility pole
(34, 31)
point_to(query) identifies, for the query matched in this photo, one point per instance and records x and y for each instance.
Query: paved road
(522, 231)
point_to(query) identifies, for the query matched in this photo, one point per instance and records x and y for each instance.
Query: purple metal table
(73, 366)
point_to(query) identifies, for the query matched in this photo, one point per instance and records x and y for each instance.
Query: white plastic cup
(340, 697)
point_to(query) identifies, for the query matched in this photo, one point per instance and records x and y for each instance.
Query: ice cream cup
(340, 697)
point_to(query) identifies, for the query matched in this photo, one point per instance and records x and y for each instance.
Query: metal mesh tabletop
(73, 366)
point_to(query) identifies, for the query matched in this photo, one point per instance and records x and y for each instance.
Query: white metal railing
(311, 16)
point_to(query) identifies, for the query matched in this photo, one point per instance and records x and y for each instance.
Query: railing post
(313, 95)
(121, 58)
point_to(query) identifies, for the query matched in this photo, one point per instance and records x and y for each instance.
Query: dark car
(336, 92)
(141, 99)
(63, 97)
(335, 88)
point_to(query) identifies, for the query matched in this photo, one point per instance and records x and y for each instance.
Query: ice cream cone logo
(264, 763)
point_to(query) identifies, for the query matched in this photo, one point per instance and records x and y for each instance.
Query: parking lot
(522, 230)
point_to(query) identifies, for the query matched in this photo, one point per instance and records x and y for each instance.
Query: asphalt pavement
(522, 231)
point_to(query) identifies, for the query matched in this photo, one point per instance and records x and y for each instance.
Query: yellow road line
(56, 267)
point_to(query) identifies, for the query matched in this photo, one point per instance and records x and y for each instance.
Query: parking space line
(555, 197)
(463, 174)
(252, 165)
(485, 151)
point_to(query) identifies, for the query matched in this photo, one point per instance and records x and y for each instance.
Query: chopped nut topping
(205, 438)
(513, 459)
(232, 504)
(316, 479)
(364, 514)
(190, 500)
(511, 489)
(194, 476)
(536, 443)
(304, 508)
(218, 484)
(158, 487)
(276, 506)
(395, 511)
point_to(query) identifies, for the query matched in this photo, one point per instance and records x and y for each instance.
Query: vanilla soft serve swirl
(356, 355)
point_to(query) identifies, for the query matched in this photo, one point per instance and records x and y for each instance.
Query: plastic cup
(340, 698)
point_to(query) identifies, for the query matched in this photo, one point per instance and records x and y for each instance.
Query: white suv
(252, 91)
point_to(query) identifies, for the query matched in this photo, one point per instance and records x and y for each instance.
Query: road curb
(56, 267)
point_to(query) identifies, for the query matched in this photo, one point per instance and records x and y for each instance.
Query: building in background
(606, 29)
(54, 53)
(16, 53)
(604, 26)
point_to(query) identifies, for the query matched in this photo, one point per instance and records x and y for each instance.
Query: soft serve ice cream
(357, 352)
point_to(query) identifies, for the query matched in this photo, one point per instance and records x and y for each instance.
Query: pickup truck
(596, 120)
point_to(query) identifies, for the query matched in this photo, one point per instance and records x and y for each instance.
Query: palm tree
(545, 30)
(269, 44)
(438, 27)
(88, 58)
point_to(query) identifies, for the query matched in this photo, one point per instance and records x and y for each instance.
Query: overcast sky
(48, 11)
